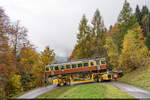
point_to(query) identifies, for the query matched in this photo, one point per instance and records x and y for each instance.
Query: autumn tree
(20, 64)
(6, 56)
(4, 22)
(47, 56)
(73, 55)
(14, 84)
(134, 52)
(18, 37)
(112, 53)
(4, 30)
(126, 21)
(90, 39)
(28, 57)
(112, 30)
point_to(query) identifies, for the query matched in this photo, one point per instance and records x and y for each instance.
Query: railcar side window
(80, 65)
(68, 66)
(56, 68)
(47, 68)
(51, 68)
(62, 67)
(92, 64)
(86, 65)
(73, 65)
(103, 62)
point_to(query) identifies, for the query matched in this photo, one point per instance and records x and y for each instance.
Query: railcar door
(52, 72)
(98, 64)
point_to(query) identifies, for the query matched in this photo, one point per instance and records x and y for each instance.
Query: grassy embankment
(139, 77)
(93, 90)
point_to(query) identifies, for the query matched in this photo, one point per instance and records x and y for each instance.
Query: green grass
(139, 77)
(92, 90)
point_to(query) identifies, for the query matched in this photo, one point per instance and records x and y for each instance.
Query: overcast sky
(55, 22)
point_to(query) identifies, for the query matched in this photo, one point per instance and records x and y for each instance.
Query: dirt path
(37, 92)
(132, 90)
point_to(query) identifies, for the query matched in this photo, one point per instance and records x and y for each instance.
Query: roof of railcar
(77, 61)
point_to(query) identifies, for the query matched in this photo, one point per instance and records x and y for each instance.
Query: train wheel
(61, 84)
(95, 78)
(68, 83)
(99, 79)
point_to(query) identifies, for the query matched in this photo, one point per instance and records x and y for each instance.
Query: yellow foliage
(29, 57)
(45, 59)
(112, 52)
(47, 56)
(15, 82)
(134, 52)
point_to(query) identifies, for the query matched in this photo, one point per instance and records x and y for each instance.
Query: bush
(14, 85)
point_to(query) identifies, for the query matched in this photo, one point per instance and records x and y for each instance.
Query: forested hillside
(21, 67)
(126, 44)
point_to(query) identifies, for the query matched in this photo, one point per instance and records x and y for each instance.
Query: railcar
(65, 73)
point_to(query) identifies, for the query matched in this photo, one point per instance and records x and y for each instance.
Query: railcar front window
(47, 68)
(103, 62)
(92, 64)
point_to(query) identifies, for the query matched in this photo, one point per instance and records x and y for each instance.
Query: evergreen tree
(123, 21)
(83, 29)
(83, 38)
(146, 24)
(144, 11)
(138, 14)
(98, 28)
(98, 35)
(126, 21)
(110, 27)
(125, 13)
(145, 20)
(147, 42)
